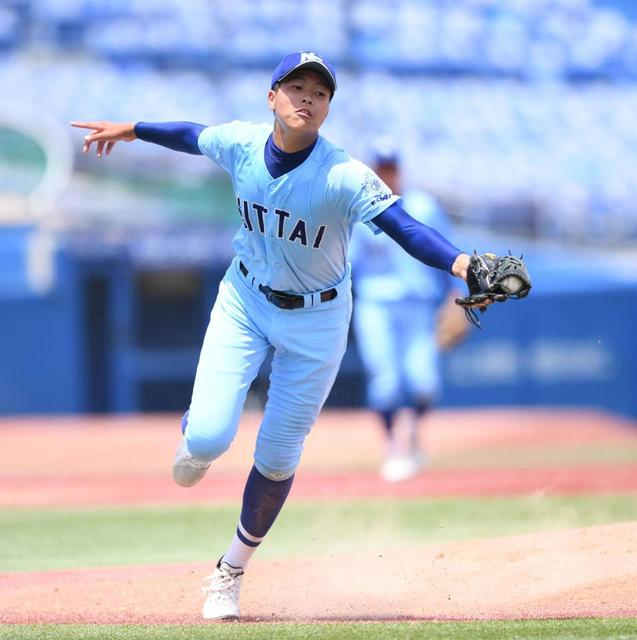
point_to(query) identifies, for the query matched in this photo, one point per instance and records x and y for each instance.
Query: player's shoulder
(326, 154)
(239, 132)
(338, 164)
(245, 132)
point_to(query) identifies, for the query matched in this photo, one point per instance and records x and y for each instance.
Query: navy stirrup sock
(387, 416)
(421, 407)
(262, 501)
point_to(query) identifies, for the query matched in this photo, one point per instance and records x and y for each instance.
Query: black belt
(284, 300)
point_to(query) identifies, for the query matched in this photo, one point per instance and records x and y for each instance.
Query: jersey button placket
(271, 228)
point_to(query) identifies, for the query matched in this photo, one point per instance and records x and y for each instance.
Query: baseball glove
(493, 279)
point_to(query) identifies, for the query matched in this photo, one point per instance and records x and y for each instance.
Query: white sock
(239, 553)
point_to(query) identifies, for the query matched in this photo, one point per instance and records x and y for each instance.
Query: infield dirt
(565, 573)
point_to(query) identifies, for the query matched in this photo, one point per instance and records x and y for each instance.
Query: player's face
(301, 102)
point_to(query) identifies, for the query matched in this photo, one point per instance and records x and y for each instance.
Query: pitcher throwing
(287, 290)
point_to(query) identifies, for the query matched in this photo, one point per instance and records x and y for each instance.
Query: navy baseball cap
(305, 60)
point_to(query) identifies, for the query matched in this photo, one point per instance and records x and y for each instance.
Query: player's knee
(383, 396)
(207, 437)
(276, 464)
(204, 445)
(385, 387)
(275, 472)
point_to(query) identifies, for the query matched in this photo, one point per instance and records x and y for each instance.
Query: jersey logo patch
(372, 185)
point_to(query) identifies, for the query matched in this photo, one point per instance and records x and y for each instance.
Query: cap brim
(386, 161)
(314, 65)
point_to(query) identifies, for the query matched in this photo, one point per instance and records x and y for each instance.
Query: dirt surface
(567, 573)
(87, 490)
(91, 461)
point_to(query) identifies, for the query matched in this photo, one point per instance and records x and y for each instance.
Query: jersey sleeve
(360, 192)
(220, 143)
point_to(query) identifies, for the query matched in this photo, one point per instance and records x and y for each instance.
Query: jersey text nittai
(299, 232)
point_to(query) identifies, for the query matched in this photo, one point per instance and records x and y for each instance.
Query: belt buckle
(272, 298)
(278, 299)
(267, 292)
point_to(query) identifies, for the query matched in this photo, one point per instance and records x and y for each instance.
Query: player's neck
(292, 141)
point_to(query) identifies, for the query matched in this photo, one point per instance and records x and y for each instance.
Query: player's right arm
(451, 324)
(179, 136)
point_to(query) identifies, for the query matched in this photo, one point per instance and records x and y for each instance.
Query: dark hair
(277, 85)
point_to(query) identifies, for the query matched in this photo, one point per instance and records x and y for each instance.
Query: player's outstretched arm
(421, 241)
(105, 134)
(451, 325)
(179, 136)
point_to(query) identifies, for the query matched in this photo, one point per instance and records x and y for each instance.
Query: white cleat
(187, 471)
(222, 602)
(401, 467)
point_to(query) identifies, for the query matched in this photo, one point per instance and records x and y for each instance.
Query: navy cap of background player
(384, 152)
(305, 60)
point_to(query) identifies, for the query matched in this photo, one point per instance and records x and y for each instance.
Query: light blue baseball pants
(308, 344)
(397, 344)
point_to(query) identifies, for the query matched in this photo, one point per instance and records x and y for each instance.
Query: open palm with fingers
(106, 134)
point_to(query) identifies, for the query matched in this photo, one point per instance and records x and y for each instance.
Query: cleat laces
(224, 585)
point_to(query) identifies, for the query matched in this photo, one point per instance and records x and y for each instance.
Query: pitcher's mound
(569, 573)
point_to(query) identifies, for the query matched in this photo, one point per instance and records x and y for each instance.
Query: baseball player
(395, 319)
(287, 290)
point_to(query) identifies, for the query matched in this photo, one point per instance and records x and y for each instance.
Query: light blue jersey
(294, 237)
(296, 228)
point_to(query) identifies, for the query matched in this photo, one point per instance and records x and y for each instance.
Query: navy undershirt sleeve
(418, 240)
(179, 136)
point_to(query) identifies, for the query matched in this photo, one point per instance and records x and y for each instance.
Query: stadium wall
(111, 335)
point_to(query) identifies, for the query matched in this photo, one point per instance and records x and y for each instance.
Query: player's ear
(271, 96)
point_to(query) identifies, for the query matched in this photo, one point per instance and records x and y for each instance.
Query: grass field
(35, 540)
(616, 629)
(48, 539)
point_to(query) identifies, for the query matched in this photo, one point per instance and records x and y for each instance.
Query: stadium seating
(516, 113)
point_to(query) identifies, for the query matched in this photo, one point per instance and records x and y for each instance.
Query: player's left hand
(460, 266)
(493, 279)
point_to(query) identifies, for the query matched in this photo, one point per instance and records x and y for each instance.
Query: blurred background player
(403, 317)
